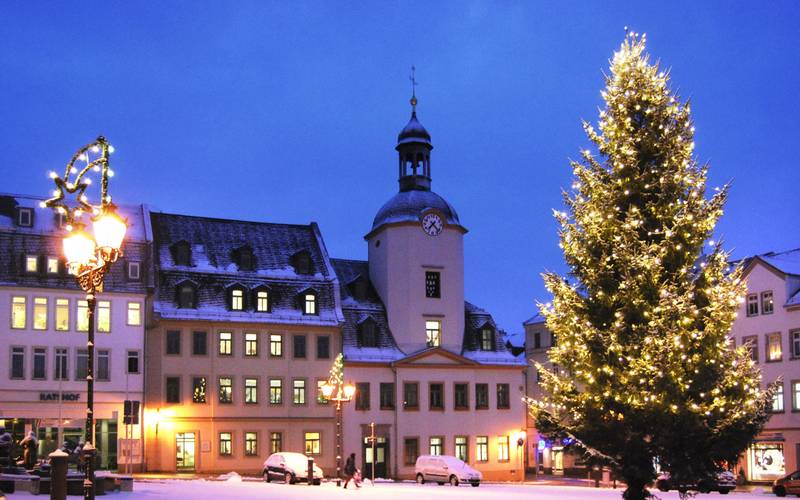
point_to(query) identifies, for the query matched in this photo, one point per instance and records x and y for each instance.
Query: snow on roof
(787, 262)
(476, 319)
(534, 320)
(407, 206)
(794, 299)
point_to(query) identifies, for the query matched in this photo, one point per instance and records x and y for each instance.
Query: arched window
(367, 334)
(187, 295)
(182, 253)
(486, 339)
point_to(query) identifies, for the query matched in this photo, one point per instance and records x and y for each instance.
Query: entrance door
(184, 445)
(558, 461)
(381, 457)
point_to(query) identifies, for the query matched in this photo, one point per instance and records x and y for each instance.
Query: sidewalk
(550, 480)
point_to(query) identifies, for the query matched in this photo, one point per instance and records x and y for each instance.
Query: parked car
(290, 468)
(725, 482)
(445, 469)
(789, 483)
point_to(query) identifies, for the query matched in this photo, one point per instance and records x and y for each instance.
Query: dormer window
(309, 300)
(261, 299)
(187, 295)
(301, 261)
(486, 340)
(236, 298)
(24, 217)
(244, 258)
(359, 288)
(367, 335)
(182, 253)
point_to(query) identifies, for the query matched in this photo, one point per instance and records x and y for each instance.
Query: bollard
(58, 475)
(310, 471)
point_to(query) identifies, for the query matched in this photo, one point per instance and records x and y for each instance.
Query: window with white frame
(774, 350)
(31, 263)
(752, 304)
(103, 316)
(250, 391)
(225, 443)
(25, 217)
(309, 303)
(299, 391)
(482, 448)
(262, 301)
(275, 345)
(795, 336)
(39, 363)
(750, 342)
(134, 271)
(40, 313)
(502, 449)
(433, 333)
(251, 344)
(766, 302)
(225, 344)
(103, 365)
(275, 391)
(312, 443)
(61, 363)
(777, 398)
(237, 299)
(81, 364)
(17, 362)
(18, 312)
(225, 390)
(134, 313)
(251, 444)
(436, 445)
(62, 315)
(52, 265)
(795, 395)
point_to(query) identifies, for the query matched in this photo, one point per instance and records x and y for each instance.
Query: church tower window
(433, 333)
(433, 284)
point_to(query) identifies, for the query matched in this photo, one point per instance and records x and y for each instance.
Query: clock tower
(416, 253)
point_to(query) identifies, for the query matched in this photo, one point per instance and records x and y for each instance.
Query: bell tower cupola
(414, 151)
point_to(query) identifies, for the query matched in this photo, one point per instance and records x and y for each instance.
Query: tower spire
(413, 89)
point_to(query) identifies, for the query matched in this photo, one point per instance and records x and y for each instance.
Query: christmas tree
(642, 371)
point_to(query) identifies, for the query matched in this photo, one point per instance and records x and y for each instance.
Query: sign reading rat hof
(53, 396)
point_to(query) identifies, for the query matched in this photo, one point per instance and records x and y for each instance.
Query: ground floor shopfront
(175, 443)
(57, 418)
(773, 454)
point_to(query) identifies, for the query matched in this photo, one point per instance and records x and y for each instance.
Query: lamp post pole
(335, 389)
(89, 259)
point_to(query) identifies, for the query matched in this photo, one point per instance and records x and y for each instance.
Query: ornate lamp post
(89, 259)
(335, 389)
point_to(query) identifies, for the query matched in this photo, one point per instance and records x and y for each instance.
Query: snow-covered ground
(236, 489)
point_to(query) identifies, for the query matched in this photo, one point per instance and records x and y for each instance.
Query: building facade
(768, 323)
(433, 374)
(43, 384)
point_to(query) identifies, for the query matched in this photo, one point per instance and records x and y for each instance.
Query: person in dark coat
(350, 471)
(30, 447)
(6, 441)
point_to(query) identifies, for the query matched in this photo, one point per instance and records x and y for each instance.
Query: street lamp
(89, 258)
(335, 389)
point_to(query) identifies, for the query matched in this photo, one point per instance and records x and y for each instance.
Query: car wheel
(266, 476)
(288, 478)
(440, 483)
(453, 481)
(475, 485)
(780, 491)
(420, 479)
(725, 492)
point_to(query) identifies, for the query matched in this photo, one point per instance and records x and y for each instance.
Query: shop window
(40, 313)
(767, 304)
(433, 333)
(134, 314)
(275, 345)
(225, 441)
(250, 391)
(251, 444)
(299, 391)
(18, 310)
(752, 304)
(502, 449)
(225, 385)
(411, 450)
(461, 397)
(199, 390)
(275, 391)
(103, 365)
(410, 395)
(312, 443)
(462, 448)
(436, 445)
(436, 396)
(774, 350)
(482, 448)
(275, 442)
(17, 362)
(362, 396)
(62, 315)
(133, 361)
(225, 347)
(387, 396)
(103, 316)
(503, 397)
(766, 461)
(251, 344)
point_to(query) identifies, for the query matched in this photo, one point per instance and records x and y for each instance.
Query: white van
(445, 469)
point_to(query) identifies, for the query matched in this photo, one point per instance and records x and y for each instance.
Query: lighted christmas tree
(645, 372)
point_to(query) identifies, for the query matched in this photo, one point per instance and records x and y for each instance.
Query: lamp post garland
(335, 389)
(89, 259)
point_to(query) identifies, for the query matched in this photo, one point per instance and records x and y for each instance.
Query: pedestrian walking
(351, 472)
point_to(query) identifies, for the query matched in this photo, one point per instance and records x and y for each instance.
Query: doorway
(558, 461)
(381, 456)
(185, 449)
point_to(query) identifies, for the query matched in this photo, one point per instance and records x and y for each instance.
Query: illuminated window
(225, 439)
(134, 313)
(275, 442)
(237, 299)
(795, 395)
(18, 309)
(251, 344)
(275, 391)
(82, 316)
(752, 304)
(321, 399)
(766, 302)
(225, 390)
(312, 440)
(436, 445)
(299, 391)
(103, 316)
(262, 301)
(198, 389)
(250, 391)
(777, 398)
(62, 315)
(502, 449)
(433, 333)
(462, 448)
(251, 444)
(774, 351)
(225, 344)
(487, 339)
(52, 265)
(31, 264)
(40, 313)
(309, 303)
(275, 345)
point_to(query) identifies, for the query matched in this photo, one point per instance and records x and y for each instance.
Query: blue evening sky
(289, 111)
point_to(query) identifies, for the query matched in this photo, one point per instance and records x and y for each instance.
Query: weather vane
(413, 87)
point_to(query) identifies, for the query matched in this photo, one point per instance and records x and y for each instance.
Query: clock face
(432, 224)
